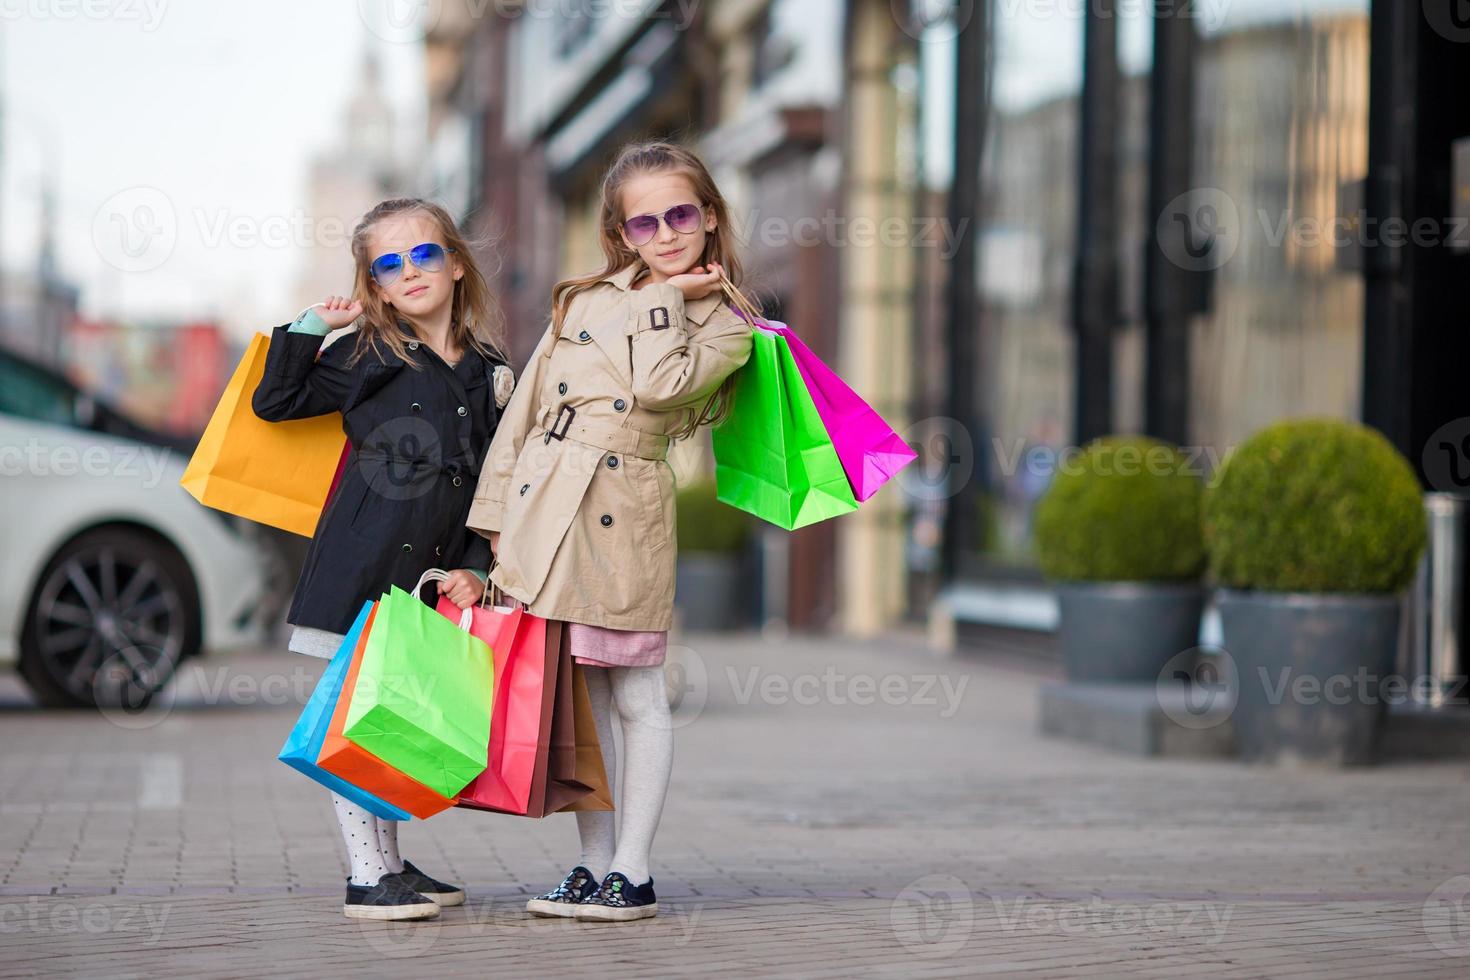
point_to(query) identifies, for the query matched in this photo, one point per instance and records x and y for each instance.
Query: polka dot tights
(372, 844)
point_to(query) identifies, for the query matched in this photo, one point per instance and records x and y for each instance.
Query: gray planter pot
(709, 591)
(1308, 673)
(1126, 631)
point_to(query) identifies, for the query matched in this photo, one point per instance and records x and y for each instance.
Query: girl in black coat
(419, 388)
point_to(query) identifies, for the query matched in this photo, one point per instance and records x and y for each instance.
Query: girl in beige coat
(576, 495)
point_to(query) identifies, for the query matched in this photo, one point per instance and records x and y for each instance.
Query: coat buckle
(566, 426)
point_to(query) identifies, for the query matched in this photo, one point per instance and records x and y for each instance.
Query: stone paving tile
(808, 833)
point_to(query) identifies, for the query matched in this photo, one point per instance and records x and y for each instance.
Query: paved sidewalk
(837, 808)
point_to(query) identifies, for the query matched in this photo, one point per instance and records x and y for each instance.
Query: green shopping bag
(773, 457)
(423, 696)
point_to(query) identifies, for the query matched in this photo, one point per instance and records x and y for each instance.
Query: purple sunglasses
(682, 218)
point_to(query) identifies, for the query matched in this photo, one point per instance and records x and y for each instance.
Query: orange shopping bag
(360, 767)
(277, 473)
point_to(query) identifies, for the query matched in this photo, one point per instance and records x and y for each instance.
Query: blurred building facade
(1080, 129)
(792, 104)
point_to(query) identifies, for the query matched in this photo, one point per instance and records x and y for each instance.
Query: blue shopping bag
(304, 743)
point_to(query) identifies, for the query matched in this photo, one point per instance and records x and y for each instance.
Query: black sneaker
(619, 900)
(389, 899)
(437, 892)
(576, 887)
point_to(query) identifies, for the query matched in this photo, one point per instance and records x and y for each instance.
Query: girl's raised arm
(297, 384)
(671, 369)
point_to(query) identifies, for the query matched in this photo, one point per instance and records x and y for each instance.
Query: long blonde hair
(474, 319)
(658, 157)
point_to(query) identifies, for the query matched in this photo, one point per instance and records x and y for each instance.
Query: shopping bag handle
(740, 301)
(500, 605)
(466, 615)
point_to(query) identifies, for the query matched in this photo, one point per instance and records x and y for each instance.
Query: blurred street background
(1013, 226)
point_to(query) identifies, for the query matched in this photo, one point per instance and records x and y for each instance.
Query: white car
(110, 573)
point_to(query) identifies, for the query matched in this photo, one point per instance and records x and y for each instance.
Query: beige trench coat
(576, 479)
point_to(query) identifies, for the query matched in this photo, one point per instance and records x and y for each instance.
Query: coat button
(584, 335)
(463, 411)
(416, 407)
(407, 547)
(456, 481)
(438, 551)
(524, 488)
(607, 520)
(413, 345)
(561, 389)
(619, 405)
(612, 462)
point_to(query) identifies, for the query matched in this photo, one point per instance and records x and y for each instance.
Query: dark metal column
(1095, 286)
(1388, 325)
(1170, 291)
(962, 299)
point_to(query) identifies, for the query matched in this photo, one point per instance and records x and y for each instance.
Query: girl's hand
(494, 542)
(464, 588)
(699, 281)
(339, 311)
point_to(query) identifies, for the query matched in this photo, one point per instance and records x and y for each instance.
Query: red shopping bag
(517, 641)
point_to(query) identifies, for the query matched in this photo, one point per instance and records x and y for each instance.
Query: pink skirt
(599, 646)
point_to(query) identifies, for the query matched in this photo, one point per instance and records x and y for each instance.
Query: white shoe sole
(445, 900)
(605, 913)
(551, 910)
(392, 913)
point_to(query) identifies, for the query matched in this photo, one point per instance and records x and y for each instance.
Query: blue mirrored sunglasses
(429, 257)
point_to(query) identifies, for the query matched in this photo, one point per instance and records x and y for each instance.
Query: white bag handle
(466, 615)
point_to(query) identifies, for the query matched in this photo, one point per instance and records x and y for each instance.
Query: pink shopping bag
(870, 451)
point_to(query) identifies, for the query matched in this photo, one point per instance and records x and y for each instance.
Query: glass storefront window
(1281, 144)
(1026, 253)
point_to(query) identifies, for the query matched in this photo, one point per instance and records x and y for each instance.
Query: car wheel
(114, 613)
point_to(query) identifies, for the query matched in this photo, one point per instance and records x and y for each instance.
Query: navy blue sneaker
(619, 900)
(577, 886)
(390, 900)
(437, 892)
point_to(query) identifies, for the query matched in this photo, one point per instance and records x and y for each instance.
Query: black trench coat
(418, 440)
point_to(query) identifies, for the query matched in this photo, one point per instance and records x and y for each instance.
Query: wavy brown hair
(658, 157)
(474, 319)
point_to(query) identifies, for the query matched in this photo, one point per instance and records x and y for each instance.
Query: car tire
(114, 613)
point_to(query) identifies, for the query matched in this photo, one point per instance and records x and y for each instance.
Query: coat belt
(613, 438)
(449, 467)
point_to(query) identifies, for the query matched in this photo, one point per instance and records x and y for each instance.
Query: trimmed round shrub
(1124, 509)
(1315, 505)
(705, 524)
